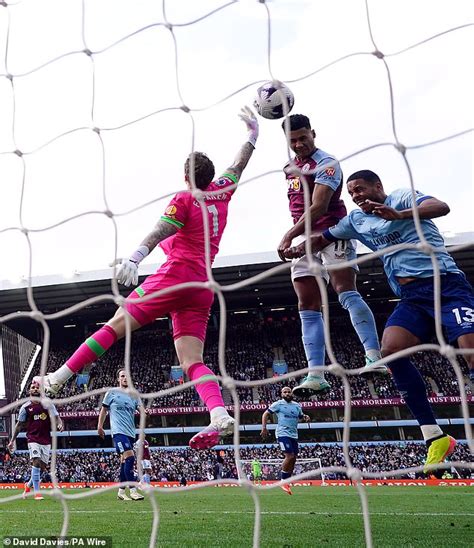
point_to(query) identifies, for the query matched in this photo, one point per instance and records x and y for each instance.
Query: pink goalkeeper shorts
(189, 308)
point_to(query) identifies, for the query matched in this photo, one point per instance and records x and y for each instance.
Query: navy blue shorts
(123, 443)
(288, 445)
(415, 311)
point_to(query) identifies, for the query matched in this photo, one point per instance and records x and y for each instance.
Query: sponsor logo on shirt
(391, 238)
(330, 171)
(40, 417)
(294, 184)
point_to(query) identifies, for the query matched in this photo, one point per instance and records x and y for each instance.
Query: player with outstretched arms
(35, 419)
(121, 408)
(288, 414)
(145, 460)
(323, 176)
(382, 222)
(180, 232)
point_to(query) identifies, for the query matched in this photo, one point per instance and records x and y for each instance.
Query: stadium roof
(55, 293)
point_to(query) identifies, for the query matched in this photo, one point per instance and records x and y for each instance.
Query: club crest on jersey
(306, 168)
(330, 171)
(170, 210)
(221, 182)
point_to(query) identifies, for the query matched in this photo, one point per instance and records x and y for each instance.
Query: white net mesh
(161, 32)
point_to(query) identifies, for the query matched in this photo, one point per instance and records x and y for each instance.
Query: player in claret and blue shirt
(382, 222)
(34, 418)
(321, 174)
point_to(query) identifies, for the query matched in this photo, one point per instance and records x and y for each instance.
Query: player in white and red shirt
(321, 173)
(181, 234)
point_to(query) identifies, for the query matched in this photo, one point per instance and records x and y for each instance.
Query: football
(274, 100)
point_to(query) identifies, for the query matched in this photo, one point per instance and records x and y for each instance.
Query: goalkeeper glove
(248, 117)
(127, 273)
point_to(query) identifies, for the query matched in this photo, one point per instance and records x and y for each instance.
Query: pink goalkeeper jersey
(185, 212)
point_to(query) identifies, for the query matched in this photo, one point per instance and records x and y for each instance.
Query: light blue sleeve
(108, 399)
(328, 172)
(344, 230)
(55, 411)
(22, 414)
(402, 198)
(301, 411)
(274, 407)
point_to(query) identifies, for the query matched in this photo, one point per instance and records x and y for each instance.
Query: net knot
(354, 474)
(425, 247)
(448, 351)
(213, 285)
(96, 129)
(336, 369)
(228, 382)
(9, 76)
(18, 153)
(169, 26)
(184, 108)
(108, 213)
(378, 54)
(315, 268)
(36, 315)
(87, 51)
(119, 300)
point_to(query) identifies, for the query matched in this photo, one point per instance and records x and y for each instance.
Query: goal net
(99, 111)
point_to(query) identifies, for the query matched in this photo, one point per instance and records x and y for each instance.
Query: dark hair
(297, 121)
(366, 175)
(203, 169)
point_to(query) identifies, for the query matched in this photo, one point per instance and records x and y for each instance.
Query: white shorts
(39, 451)
(146, 464)
(336, 253)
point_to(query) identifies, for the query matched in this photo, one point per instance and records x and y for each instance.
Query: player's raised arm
(428, 208)
(246, 150)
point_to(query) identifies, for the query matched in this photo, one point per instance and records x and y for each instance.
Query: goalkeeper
(181, 232)
(256, 471)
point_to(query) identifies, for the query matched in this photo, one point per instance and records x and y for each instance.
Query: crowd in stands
(251, 347)
(174, 465)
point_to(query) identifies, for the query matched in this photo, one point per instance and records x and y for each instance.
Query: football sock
(36, 475)
(30, 481)
(362, 319)
(312, 329)
(147, 478)
(89, 351)
(128, 466)
(412, 389)
(208, 389)
(123, 477)
(285, 475)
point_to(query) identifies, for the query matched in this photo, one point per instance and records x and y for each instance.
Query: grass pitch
(209, 517)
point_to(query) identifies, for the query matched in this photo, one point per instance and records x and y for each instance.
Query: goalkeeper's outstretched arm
(246, 150)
